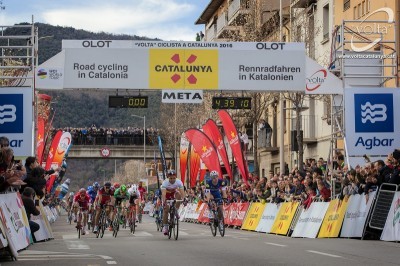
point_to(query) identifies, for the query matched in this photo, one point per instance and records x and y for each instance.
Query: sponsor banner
(372, 124)
(310, 220)
(321, 81)
(16, 116)
(183, 156)
(49, 77)
(253, 216)
(194, 166)
(53, 148)
(284, 218)
(268, 217)
(356, 215)
(211, 130)
(234, 142)
(236, 213)
(162, 155)
(205, 214)
(205, 148)
(3, 236)
(179, 96)
(62, 148)
(333, 218)
(391, 231)
(183, 65)
(15, 221)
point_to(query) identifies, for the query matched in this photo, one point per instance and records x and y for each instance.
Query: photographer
(28, 196)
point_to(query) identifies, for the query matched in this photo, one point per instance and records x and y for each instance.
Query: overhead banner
(182, 96)
(372, 121)
(321, 81)
(16, 119)
(128, 64)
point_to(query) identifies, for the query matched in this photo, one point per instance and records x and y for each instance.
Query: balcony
(237, 11)
(211, 33)
(302, 3)
(223, 29)
(309, 126)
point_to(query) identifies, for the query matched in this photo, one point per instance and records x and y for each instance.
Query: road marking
(76, 245)
(70, 236)
(274, 244)
(325, 254)
(111, 262)
(142, 233)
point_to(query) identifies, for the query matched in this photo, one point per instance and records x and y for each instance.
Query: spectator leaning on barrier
(10, 172)
(28, 196)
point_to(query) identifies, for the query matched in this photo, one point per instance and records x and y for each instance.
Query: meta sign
(128, 64)
(372, 121)
(16, 119)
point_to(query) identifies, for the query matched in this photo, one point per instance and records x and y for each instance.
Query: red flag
(183, 156)
(205, 148)
(194, 166)
(40, 138)
(62, 148)
(42, 119)
(211, 130)
(53, 149)
(234, 141)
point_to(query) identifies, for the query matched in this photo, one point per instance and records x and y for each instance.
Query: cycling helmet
(71, 193)
(96, 185)
(116, 185)
(82, 191)
(214, 174)
(90, 188)
(171, 173)
(123, 188)
(107, 184)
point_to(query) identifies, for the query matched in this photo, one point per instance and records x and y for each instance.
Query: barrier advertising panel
(268, 218)
(253, 216)
(391, 231)
(182, 65)
(333, 218)
(356, 215)
(310, 220)
(284, 218)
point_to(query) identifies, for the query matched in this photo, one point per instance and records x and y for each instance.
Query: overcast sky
(164, 19)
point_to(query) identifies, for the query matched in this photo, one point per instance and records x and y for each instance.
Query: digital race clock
(231, 102)
(128, 101)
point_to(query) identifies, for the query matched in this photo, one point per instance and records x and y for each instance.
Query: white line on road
(76, 245)
(111, 262)
(325, 254)
(274, 244)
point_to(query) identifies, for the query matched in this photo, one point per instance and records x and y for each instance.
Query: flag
(205, 148)
(183, 156)
(162, 155)
(234, 141)
(211, 130)
(53, 149)
(194, 166)
(42, 120)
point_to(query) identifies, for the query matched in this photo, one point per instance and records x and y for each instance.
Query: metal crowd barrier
(382, 205)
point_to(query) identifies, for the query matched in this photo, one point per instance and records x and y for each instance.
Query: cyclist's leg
(220, 209)
(75, 208)
(137, 203)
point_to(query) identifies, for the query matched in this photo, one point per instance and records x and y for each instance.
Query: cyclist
(121, 195)
(134, 197)
(82, 200)
(143, 193)
(92, 194)
(213, 191)
(171, 188)
(104, 197)
(70, 199)
(116, 185)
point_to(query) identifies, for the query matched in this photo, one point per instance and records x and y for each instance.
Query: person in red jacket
(324, 192)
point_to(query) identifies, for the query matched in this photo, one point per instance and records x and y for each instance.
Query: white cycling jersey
(172, 187)
(133, 189)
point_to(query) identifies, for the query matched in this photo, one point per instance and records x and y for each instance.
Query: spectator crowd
(94, 135)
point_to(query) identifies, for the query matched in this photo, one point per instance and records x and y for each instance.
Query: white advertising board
(268, 218)
(311, 220)
(182, 96)
(321, 81)
(253, 66)
(372, 122)
(16, 119)
(391, 231)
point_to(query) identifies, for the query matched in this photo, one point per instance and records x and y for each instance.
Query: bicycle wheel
(115, 226)
(213, 225)
(99, 226)
(70, 217)
(171, 225)
(103, 225)
(221, 227)
(78, 225)
(176, 227)
(140, 215)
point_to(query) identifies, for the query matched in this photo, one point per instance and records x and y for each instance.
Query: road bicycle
(103, 221)
(173, 221)
(79, 225)
(158, 220)
(141, 207)
(132, 217)
(118, 219)
(215, 221)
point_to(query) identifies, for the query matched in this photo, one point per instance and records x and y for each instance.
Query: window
(368, 6)
(346, 5)
(355, 13)
(363, 8)
(359, 10)
(325, 17)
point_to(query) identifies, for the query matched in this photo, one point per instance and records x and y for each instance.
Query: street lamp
(144, 137)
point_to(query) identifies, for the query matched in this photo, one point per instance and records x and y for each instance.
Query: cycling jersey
(119, 196)
(83, 202)
(92, 195)
(142, 191)
(171, 188)
(105, 196)
(215, 189)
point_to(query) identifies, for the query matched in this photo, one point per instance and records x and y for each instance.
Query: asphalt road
(196, 246)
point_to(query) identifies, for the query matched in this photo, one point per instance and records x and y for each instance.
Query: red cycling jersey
(105, 196)
(83, 202)
(142, 191)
